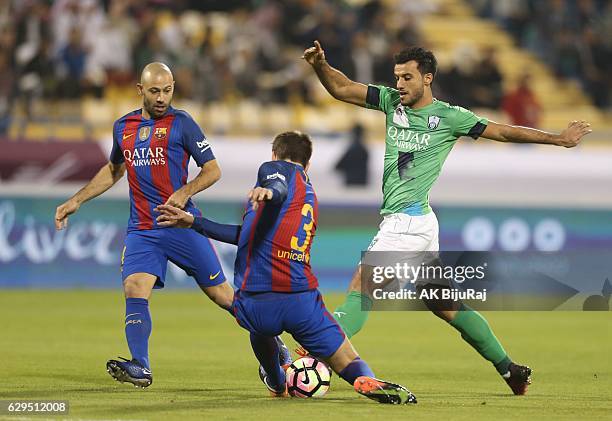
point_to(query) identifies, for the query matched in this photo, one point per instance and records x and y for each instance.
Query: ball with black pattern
(308, 377)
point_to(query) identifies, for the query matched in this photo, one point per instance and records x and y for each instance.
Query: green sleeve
(463, 121)
(383, 94)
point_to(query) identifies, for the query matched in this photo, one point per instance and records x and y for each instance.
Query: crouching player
(278, 291)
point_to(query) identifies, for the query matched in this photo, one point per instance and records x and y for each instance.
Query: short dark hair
(426, 61)
(294, 145)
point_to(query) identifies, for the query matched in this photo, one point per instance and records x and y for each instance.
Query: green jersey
(417, 144)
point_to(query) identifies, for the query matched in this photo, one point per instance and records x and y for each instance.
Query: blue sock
(138, 328)
(266, 350)
(356, 368)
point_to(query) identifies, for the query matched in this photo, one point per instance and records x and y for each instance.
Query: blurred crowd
(232, 49)
(218, 50)
(574, 37)
(474, 80)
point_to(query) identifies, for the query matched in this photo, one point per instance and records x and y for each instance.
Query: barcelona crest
(160, 132)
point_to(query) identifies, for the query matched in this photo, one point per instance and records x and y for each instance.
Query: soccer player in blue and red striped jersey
(154, 145)
(278, 291)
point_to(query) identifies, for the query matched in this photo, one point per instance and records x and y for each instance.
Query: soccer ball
(308, 377)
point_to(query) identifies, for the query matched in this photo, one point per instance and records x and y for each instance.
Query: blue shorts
(302, 314)
(148, 251)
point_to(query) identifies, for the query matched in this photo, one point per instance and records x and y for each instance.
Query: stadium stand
(69, 66)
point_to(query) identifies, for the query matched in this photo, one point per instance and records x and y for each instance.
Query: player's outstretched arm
(209, 175)
(102, 181)
(568, 138)
(336, 82)
(171, 216)
(258, 195)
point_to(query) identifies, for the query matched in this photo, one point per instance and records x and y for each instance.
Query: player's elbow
(215, 174)
(121, 171)
(117, 171)
(211, 172)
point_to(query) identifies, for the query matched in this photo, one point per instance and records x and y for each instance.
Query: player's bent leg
(444, 309)
(475, 330)
(343, 356)
(259, 314)
(347, 364)
(352, 314)
(196, 255)
(267, 351)
(222, 294)
(355, 284)
(284, 360)
(320, 334)
(397, 232)
(137, 288)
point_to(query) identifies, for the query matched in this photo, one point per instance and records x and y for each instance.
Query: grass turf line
(55, 344)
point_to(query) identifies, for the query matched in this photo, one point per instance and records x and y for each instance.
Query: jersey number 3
(306, 211)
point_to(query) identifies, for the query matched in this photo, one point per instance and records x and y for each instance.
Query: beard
(149, 106)
(414, 98)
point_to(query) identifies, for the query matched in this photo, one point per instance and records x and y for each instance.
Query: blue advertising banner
(87, 254)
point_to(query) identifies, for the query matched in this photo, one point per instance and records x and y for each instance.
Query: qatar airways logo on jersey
(141, 157)
(409, 140)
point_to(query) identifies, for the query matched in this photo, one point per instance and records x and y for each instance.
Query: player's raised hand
(172, 216)
(572, 136)
(62, 212)
(314, 55)
(259, 194)
(178, 199)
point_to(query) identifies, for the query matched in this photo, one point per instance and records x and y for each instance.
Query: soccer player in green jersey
(420, 132)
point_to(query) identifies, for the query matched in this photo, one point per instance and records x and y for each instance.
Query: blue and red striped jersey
(156, 153)
(275, 240)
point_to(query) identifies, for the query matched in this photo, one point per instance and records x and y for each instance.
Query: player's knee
(133, 289)
(446, 315)
(138, 286)
(342, 357)
(443, 308)
(356, 281)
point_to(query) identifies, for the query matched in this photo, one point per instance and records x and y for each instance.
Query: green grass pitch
(54, 345)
